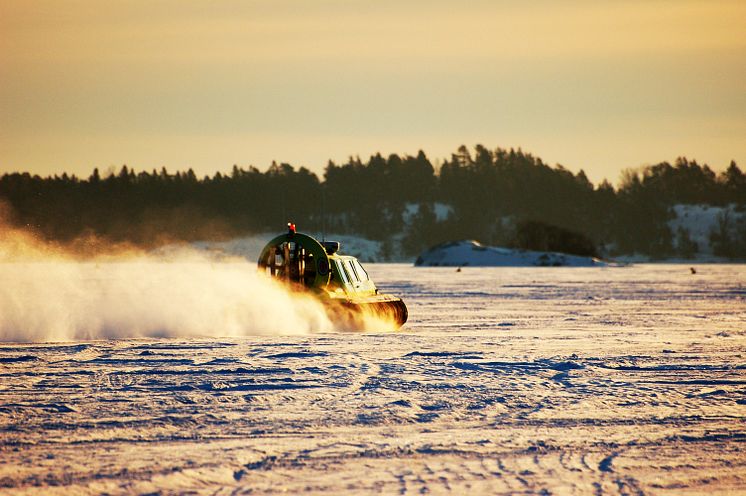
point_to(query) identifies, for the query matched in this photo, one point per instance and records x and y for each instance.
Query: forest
(502, 197)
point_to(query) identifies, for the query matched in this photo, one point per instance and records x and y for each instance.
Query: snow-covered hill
(473, 253)
(698, 221)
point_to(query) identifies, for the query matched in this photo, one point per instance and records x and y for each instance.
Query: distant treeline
(497, 196)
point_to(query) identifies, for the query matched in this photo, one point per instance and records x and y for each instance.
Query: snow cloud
(50, 292)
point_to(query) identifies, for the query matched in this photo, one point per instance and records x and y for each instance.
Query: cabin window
(351, 271)
(362, 274)
(341, 272)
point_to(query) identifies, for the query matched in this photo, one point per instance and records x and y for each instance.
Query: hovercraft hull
(354, 315)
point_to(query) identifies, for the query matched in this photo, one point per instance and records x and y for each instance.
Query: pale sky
(599, 85)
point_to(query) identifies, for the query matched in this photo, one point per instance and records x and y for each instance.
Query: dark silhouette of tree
(423, 230)
(539, 236)
(685, 246)
(498, 196)
(734, 184)
(722, 236)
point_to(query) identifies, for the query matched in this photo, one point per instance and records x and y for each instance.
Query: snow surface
(505, 380)
(474, 254)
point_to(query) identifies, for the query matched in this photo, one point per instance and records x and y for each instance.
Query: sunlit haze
(600, 86)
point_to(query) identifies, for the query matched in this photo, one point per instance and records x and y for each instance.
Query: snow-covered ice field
(619, 380)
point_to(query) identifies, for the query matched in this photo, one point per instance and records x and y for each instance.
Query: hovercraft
(339, 281)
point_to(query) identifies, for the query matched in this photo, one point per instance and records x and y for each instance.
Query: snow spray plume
(26, 245)
(49, 294)
(371, 319)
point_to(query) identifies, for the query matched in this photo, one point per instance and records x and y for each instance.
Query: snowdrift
(472, 253)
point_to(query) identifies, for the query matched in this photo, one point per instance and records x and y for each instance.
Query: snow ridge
(473, 253)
